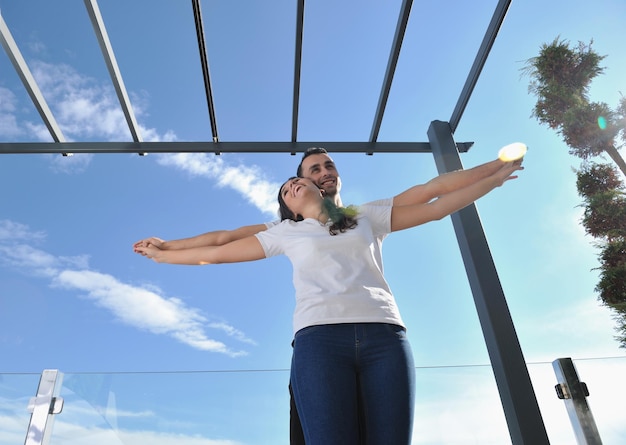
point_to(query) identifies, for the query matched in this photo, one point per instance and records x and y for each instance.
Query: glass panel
(455, 405)
(604, 379)
(16, 391)
(458, 405)
(221, 408)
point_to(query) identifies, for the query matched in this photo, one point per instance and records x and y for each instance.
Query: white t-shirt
(337, 278)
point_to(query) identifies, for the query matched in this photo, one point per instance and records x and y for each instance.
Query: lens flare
(512, 152)
(602, 122)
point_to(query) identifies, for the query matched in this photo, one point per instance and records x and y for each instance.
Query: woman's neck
(317, 212)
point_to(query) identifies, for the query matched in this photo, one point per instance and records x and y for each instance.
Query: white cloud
(17, 251)
(76, 163)
(39, 131)
(141, 307)
(248, 181)
(8, 122)
(80, 423)
(11, 230)
(232, 332)
(461, 406)
(27, 257)
(108, 437)
(7, 100)
(584, 328)
(84, 109)
(13, 431)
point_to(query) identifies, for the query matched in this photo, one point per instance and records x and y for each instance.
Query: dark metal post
(521, 410)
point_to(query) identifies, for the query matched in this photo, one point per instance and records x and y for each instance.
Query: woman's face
(299, 192)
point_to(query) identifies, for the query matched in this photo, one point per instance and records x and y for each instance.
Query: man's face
(321, 169)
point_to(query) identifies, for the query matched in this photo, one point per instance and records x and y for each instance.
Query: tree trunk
(617, 158)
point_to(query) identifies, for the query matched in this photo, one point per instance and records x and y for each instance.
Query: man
(319, 167)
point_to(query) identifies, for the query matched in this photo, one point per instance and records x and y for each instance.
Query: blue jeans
(341, 370)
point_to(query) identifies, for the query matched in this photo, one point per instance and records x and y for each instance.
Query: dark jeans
(339, 371)
(296, 435)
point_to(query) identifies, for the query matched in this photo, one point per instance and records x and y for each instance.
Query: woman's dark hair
(342, 218)
(284, 211)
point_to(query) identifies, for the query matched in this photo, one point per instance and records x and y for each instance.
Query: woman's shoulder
(375, 208)
(385, 202)
(288, 225)
(378, 213)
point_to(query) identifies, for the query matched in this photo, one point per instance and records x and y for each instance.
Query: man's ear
(323, 192)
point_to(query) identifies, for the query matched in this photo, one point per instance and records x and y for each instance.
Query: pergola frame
(518, 399)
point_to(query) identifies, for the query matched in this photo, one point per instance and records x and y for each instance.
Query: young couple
(352, 370)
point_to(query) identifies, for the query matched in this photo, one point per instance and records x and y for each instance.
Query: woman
(350, 350)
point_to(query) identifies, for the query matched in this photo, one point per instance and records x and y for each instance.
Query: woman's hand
(506, 171)
(147, 249)
(152, 241)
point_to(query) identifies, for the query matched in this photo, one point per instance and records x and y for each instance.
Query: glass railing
(15, 392)
(455, 405)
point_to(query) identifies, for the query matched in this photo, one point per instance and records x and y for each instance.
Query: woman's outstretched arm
(447, 183)
(214, 238)
(246, 249)
(406, 216)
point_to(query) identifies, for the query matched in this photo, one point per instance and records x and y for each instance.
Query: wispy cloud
(144, 308)
(8, 121)
(12, 431)
(102, 436)
(87, 109)
(84, 108)
(249, 181)
(232, 332)
(465, 398)
(468, 400)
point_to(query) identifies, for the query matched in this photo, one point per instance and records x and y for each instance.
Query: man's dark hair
(309, 151)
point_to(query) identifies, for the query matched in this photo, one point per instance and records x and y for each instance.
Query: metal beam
(29, 82)
(217, 147)
(297, 70)
(403, 19)
(114, 71)
(521, 410)
(204, 61)
(485, 47)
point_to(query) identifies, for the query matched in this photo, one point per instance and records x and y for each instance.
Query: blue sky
(74, 297)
